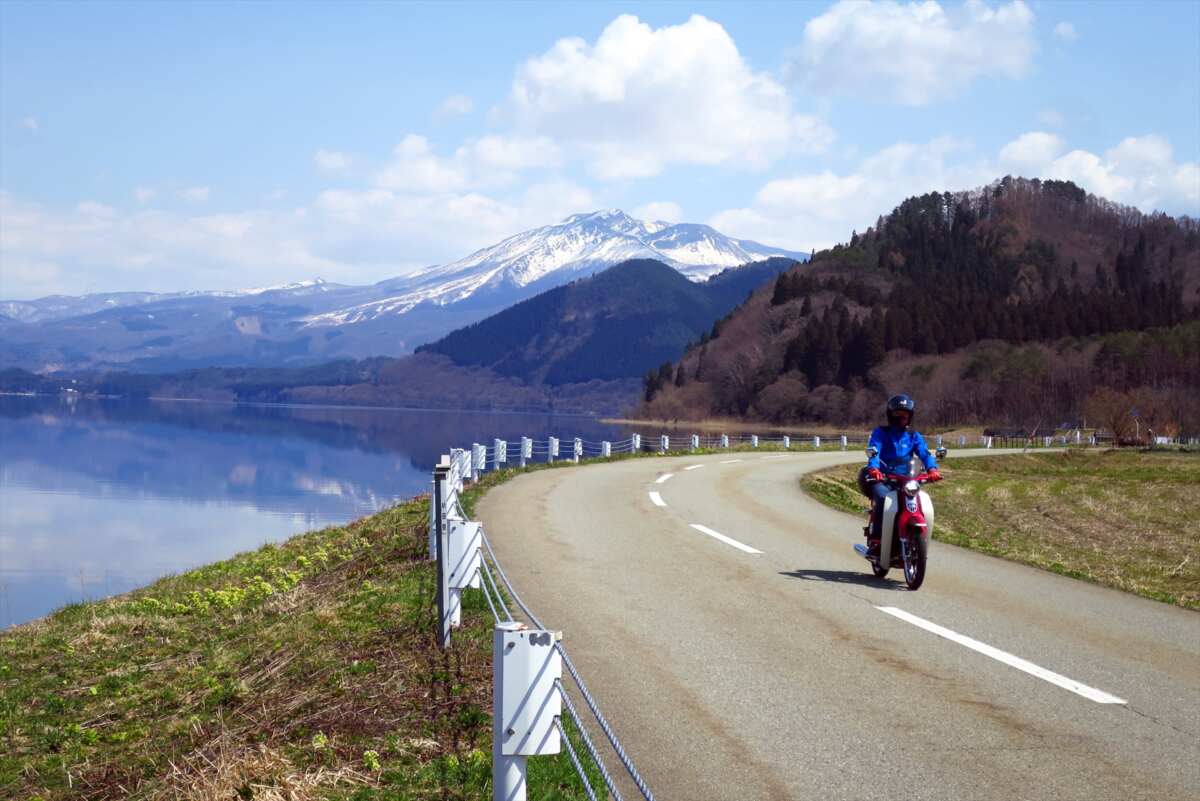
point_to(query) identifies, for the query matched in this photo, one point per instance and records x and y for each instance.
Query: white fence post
(578, 449)
(637, 443)
(695, 442)
(525, 703)
(605, 448)
(787, 442)
(440, 529)
(724, 440)
(754, 440)
(526, 450)
(939, 440)
(476, 467)
(962, 440)
(553, 448)
(816, 442)
(843, 442)
(664, 443)
(463, 543)
(501, 452)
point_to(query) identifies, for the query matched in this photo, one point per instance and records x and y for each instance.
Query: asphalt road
(731, 674)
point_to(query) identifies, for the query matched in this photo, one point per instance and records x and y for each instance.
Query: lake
(98, 497)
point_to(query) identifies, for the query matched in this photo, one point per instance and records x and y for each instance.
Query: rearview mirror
(941, 453)
(872, 452)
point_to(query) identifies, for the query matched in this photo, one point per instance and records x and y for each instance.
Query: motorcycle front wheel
(915, 555)
(879, 571)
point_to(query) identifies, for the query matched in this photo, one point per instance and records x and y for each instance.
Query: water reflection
(98, 497)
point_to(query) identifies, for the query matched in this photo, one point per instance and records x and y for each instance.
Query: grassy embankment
(305, 669)
(1124, 519)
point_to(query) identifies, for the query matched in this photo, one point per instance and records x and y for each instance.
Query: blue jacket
(896, 447)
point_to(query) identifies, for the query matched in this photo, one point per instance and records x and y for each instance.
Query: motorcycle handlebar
(923, 478)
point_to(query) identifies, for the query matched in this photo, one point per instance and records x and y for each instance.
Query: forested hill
(615, 324)
(1000, 304)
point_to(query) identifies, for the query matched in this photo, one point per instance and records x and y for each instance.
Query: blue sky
(173, 146)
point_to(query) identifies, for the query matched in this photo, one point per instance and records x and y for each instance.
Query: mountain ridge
(1019, 302)
(314, 321)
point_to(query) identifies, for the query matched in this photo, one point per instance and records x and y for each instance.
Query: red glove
(875, 474)
(934, 475)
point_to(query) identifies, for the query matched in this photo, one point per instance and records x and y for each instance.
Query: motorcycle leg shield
(927, 511)
(887, 526)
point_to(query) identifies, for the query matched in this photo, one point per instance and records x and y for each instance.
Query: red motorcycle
(906, 528)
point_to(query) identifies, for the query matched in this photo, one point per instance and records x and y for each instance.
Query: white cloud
(821, 209)
(195, 194)
(332, 160)
(30, 124)
(350, 236)
(1065, 31)
(488, 162)
(144, 194)
(275, 194)
(640, 99)
(416, 168)
(663, 210)
(454, 105)
(1031, 150)
(512, 153)
(1140, 171)
(913, 53)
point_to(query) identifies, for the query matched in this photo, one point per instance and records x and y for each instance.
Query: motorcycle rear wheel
(914, 560)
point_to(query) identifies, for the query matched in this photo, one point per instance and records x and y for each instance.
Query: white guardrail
(529, 694)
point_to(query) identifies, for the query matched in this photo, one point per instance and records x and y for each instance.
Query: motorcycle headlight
(911, 487)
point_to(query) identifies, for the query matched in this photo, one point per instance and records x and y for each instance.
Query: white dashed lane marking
(693, 467)
(1091, 693)
(731, 461)
(657, 500)
(741, 546)
(663, 478)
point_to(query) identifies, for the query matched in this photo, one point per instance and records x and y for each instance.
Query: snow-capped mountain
(312, 321)
(554, 254)
(58, 307)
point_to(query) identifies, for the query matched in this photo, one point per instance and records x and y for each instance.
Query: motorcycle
(906, 526)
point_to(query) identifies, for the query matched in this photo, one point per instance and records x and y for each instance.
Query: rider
(894, 445)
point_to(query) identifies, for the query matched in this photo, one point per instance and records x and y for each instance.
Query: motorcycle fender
(927, 511)
(890, 508)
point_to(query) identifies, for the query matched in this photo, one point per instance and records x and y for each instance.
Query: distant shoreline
(297, 405)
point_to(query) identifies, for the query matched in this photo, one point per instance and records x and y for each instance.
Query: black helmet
(900, 403)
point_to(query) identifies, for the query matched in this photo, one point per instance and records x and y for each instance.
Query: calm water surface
(99, 497)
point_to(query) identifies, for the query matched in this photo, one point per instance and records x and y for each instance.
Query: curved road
(742, 650)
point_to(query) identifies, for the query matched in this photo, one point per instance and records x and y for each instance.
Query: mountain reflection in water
(98, 497)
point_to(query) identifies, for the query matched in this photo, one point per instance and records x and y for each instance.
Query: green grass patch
(1124, 519)
(303, 670)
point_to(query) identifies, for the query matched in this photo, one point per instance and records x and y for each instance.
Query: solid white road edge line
(663, 478)
(741, 546)
(657, 499)
(731, 461)
(1091, 693)
(693, 467)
